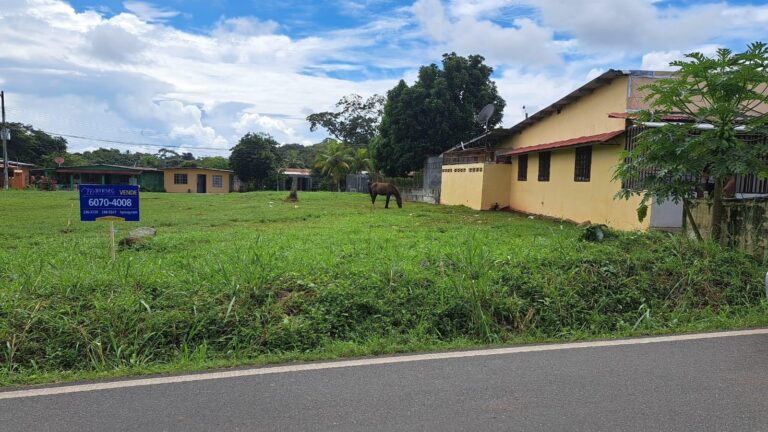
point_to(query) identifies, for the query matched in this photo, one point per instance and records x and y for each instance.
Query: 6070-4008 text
(106, 202)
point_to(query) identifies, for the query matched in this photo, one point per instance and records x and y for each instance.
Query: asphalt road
(718, 384)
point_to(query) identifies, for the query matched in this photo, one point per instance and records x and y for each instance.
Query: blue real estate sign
(109, 202)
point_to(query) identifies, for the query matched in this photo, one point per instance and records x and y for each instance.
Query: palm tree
(335, 160)
(362, 161)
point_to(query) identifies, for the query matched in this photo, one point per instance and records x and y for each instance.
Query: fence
(744, 226)
(745, 184)
(422, 186)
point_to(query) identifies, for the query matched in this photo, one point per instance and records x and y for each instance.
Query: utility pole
(4, 133)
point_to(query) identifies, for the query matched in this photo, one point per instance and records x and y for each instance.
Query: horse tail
(397, 197)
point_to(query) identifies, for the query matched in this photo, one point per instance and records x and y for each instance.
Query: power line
(131, 143)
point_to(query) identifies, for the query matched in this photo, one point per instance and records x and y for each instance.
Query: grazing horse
(384, 189)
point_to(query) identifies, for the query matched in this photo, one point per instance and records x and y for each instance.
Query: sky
(199, 74)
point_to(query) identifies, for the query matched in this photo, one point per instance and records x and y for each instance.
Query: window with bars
(583, 164)
(179, 179)
(218, 181)
(522, 168)
(544, 159)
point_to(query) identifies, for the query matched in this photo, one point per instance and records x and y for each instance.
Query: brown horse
(384, 189)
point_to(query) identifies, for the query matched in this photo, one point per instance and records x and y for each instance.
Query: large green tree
(335, 160)
(718, 95)
(297, 155)
(218, 162)
(254, 159)
(31, 145)
(435, 113)
(356, 121)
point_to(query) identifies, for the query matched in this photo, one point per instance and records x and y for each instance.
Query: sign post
(109, 203)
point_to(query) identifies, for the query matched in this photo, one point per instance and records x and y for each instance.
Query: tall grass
(244, 276)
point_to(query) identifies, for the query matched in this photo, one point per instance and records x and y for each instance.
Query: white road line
(77, 388)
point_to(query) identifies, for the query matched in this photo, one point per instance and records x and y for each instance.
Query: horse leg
(373, 200)
(387, 205)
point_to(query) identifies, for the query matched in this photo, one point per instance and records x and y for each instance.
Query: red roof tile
(599, 138)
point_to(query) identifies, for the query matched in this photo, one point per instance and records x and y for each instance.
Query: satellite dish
(485, 115)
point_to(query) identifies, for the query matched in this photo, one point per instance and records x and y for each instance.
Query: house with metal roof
(559, 162)
(303, 178)
(18, 174)
(69, 177)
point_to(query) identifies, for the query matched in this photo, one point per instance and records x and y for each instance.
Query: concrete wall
(479, 186)
(745, 224)
(462, 185)
(191, 185)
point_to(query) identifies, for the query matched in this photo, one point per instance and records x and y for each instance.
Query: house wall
(152, 181)
(496, 181)
(584, 117)
(18, 176)
(562, 197)
(191, 185)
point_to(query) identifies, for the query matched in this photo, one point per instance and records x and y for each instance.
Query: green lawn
(247, 279)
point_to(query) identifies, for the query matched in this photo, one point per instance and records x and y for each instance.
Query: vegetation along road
(248, 279)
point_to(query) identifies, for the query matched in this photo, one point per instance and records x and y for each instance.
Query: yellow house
(197, 180)
(559, 162)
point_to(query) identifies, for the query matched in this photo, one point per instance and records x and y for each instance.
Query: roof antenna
(525, 112)
(484, 115)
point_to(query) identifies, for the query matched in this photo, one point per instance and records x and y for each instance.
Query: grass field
(247, 279)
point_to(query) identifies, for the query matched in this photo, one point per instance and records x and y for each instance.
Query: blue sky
(201, 73)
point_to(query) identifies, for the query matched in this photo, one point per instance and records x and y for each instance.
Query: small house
(198, 180)
(18, 174)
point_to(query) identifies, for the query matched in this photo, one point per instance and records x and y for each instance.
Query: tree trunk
(718, 210)
(689, 217)
(293, 196)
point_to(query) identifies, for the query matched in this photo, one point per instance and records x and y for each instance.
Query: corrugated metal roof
(21, 164)
(297, 171)
(194, 168)
(666, 117)
(591, 139)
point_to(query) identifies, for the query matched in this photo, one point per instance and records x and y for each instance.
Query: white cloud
(660, 60)
(113, 43)
(135, 77)
(255, 122)
(467, 33)
(148, 12)
(244, 26)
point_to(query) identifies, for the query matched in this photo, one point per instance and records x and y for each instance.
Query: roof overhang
(573, 142)
(97, 171)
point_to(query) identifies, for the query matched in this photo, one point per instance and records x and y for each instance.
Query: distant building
(304, 176)
(68, 178)
(199, 180)
(18, 174)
